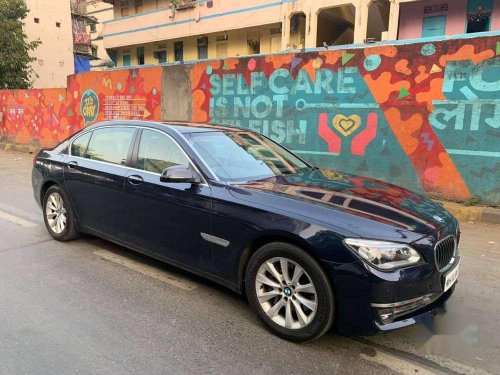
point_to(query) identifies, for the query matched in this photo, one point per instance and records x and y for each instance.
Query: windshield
(244, 156)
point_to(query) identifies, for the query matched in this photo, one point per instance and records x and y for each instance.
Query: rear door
(168, 219)
(95, 177)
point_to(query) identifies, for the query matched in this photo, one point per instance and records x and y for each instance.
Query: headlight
(384, 255)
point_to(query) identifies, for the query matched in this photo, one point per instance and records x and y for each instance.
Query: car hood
(328, 196)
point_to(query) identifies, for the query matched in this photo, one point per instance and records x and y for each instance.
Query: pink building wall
(412, 14)
(495, 22)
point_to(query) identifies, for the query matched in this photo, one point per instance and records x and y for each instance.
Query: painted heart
(346, 125)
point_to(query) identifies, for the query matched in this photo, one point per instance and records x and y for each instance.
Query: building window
(93, 28)
(124, 8)
(36, 19)
(179, 51)
(202, 48)
(94, 51)
(140, 55)
(112, 55)
(138, 6)
(433, 26)
(58, 24)
(160, 56)
(479, 15)
(126, 60)
(253, 46)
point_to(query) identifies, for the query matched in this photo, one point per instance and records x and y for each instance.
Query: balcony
(79, 7)
(187, 18)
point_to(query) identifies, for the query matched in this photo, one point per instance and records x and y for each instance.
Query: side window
(110, 144)
(79, 146)
(62, 148)
(158, 152)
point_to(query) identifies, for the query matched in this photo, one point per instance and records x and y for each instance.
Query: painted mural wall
(422, 115)
(46, 117)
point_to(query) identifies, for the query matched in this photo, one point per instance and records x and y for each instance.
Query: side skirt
(206, 275)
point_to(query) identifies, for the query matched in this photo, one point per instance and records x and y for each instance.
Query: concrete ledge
(20, 148)
(476, 214)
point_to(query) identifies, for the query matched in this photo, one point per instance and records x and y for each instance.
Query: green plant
(176, 3)
(473, 201)
(16, 71)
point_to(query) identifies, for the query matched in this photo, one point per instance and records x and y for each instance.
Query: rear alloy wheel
(58, 216)
(290, 292)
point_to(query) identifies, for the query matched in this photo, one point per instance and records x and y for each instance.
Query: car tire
(274, 294)
(58, 215)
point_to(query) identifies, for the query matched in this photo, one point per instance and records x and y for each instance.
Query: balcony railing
(188, 18)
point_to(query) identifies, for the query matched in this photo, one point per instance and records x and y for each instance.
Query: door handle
(72, 164)
(135, 179)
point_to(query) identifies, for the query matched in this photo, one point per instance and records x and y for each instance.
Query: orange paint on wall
(405, 130)
(467, 52)
(330, 57)
(435, 92)
(197, 112)
(382, 87)
(435, 178)
(423, 75)
(402, 67)
(438, 178)
(388, 51)
(279, 60)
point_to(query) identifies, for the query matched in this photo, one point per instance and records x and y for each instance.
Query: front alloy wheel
(286, 293)
(290, 292)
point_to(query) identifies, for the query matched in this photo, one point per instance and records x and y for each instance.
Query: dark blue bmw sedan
(309, 247)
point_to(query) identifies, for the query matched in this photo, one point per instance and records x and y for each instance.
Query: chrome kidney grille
(445, 251)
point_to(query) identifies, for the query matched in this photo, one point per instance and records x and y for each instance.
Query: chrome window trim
(190, 161)
(91, 130)
(453, 258)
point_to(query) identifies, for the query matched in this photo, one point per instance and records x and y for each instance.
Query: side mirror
(180, 174)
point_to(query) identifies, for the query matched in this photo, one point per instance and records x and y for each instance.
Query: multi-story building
(65, 46)
(99, 12)
(82, 45)
(158, 31)
(50, 22)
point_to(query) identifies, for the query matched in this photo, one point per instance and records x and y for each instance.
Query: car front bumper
(368, 300)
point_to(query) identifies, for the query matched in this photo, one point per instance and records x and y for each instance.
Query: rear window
(79, 146)
(110, 145)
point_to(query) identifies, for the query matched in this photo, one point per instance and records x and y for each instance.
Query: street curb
(20, 148)
(476, 214)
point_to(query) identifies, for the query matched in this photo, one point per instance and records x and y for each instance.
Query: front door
(94, 177)
(167, 219)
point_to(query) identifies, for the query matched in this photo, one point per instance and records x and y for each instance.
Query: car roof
(189, 127)
(178, 126)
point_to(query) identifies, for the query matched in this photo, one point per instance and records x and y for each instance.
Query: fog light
(386, 315)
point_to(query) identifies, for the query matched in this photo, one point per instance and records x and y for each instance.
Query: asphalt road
(92, 307)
